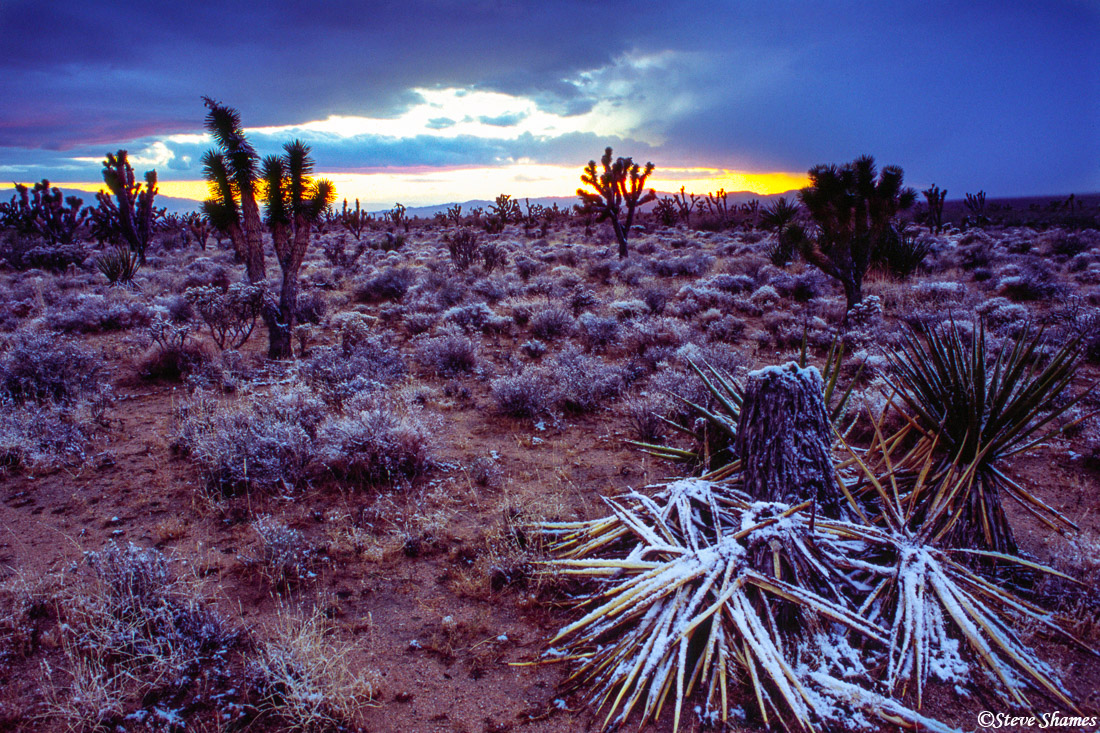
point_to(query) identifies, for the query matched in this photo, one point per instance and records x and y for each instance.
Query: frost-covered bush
(259, 442)
(283, 556)
(571, 381)
(689, 265)
(624, 310)
(41, 367)
(1034, 281)
(764, 296)
(597, 332)
(449, 354)
(377, 441)
(582, 382)
(339, 373)
(472, 317)
(728, 328)
(551, 323)
(390, 284)
(92, 313)
(522, 395)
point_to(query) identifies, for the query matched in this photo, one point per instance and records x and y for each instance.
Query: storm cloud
(1002, 96)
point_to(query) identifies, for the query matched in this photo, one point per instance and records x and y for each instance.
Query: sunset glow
(423, 186)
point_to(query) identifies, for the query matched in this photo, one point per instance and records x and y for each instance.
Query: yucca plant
(119, 265)
(931, 600)
(701, 588)
(977, 411)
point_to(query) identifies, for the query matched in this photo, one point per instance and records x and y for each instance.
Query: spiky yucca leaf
(701, 588)
(976, 413)
(119, 266)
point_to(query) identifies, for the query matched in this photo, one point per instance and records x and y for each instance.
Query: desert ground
(196, 537)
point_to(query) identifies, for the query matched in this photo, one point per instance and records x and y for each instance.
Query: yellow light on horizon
(433, 186)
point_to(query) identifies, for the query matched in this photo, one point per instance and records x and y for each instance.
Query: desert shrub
(172, 355)
(643, 418)
(655, 333)
(526, 267)
(764, 296)
(551, 323)
(283, 556)
(729, 328)
(261, 443)
(533, 348)
(27, 252)
(41, 368)
(449, 354)
(731, 283)
(304, 680)
(42, 435)
(689, 265)
(92, 313)
(581, 300)
(625, 310)
(230, 315)
(1034, 281)
(463, 248)
(312, 306)
(582, 382)
(472, 317)
(390, 284)
(130, 635)
(1061, 243)
(336, 374)
(336, 252)
(597, 332)
(521, 395)
(205, 272)
(376, 442)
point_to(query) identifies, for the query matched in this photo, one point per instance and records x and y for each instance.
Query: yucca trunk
(293, 252)
(784, 437)
(253, 241)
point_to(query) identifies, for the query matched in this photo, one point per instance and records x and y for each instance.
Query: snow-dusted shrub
(764, 296)
(1035, 281)
(337, 373)
(731, 283)
(390, 284)
(448, 354)
(624, 310)
(92, 313)
(597, 332)
(689, 265)
(521, 395)
(377, 441)
(260, 442)
(469, 318)
(729, 329)
(663, 332)
(551, 323)
(41, 367)
(582, 383)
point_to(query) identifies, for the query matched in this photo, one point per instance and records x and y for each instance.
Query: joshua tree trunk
(784, 438)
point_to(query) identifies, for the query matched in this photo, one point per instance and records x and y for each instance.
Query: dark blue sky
(1002, 96)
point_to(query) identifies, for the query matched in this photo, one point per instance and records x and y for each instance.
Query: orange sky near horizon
(427, 187)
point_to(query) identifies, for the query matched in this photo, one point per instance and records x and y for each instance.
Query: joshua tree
(621, 183)
(853, 207)
(294, 203)
(134, 216)
(231, 171)
(935, 196)
(42, 210)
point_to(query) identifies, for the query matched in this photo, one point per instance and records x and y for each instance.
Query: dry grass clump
(306, 680)
(131, 637)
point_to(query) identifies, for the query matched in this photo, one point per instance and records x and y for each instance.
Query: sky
(436, 101)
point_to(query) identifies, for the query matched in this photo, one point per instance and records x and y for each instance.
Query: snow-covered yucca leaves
(701, 588)
(974, 413)
(932, 602)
